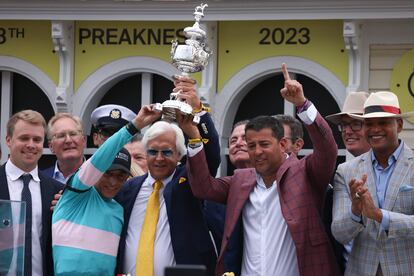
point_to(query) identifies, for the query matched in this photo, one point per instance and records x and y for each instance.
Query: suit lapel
(366, 168)
(242, 191)
(45, 194)
(4, 189)
(402, 167)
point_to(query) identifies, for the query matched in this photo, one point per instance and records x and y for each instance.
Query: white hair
(159, 128)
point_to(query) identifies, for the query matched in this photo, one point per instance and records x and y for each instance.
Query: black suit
(48, 188)
(189, 231)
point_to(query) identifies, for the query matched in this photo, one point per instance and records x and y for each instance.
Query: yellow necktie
(145, 255)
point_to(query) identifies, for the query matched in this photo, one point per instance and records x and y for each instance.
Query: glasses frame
(355, 125)
(62, 136)
(167, 153)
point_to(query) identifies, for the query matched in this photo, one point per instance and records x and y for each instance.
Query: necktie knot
(26, 178)
(157, 185)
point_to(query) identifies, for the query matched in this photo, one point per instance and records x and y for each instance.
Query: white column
(6, 106)
(63, 40)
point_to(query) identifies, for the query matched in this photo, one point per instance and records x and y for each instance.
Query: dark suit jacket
(48, 188)
(301, 187)
(49, 171)
(190, 236)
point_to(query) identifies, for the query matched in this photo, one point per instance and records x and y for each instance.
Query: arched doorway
(255, 91)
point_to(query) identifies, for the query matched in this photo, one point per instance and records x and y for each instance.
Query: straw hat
(382, 104)
(354, 104)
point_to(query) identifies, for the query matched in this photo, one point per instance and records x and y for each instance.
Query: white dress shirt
(268, 244)
(15, 185)
(163, 251)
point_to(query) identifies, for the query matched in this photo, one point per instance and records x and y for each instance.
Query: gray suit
(392, 249)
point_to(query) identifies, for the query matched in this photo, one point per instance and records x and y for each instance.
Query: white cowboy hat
(382, 104)
(354, 104)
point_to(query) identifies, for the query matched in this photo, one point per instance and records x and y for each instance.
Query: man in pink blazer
(273, 214)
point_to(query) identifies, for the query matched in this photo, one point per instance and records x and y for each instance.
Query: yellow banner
(244, 42)
(402, 82)
(99, 43)
(30, 41)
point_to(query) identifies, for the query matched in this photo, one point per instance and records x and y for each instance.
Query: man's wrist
(132, 129)
(304, 106)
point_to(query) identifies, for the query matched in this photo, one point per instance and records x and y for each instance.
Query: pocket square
(181, 180)
(405, 188)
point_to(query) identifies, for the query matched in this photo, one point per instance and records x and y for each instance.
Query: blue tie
(26, 196)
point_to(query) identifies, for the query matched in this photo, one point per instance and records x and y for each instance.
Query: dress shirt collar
(14, 172)
(393, 157)
(260, 181)
(58, 175)
(150, 180)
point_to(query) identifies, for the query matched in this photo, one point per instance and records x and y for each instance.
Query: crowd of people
(148, 201)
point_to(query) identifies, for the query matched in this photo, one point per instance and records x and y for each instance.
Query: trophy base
(170, 108)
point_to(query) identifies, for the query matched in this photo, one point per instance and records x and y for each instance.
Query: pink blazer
(301, 186)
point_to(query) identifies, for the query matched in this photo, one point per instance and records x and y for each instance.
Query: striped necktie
(145, 255)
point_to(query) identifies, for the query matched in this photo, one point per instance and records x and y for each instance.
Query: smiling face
(266, 152)
(238, 154)
(26, 145)
(67, 140)
(111, 182)
(382, 134)
(160, 165)
(354, 140)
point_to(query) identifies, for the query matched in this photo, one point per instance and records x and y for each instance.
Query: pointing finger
(285, 72)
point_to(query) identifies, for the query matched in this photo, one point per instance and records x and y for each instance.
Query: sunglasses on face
(164, 153)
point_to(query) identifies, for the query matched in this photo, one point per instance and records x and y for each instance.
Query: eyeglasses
(354, 125)
(72, 135)
(164, 153)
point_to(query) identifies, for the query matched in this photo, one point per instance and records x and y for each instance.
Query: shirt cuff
(308, 116)
(354, 217)
(193, 151)
(385, 223)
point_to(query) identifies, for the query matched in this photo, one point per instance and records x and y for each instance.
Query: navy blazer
(48, 188)
(49, 171)
(190, 238)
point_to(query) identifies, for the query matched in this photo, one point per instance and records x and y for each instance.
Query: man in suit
(182, 236)
(67, 142)
(352, 134)
(20, 180)
(374, 195)
(274, 208)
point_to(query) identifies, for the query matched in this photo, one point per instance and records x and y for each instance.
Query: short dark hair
(296, 129)
(239, 123)
(261, 122)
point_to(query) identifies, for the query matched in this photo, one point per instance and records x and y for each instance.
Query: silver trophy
(189, 58)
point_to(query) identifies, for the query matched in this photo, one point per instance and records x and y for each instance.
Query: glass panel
(12, 235)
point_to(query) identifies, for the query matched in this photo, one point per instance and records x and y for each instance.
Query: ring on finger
(357, 196)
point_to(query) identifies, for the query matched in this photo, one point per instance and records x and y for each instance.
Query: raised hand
(146, 116)
(186, 89)
(187, 125)
(293, 91)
